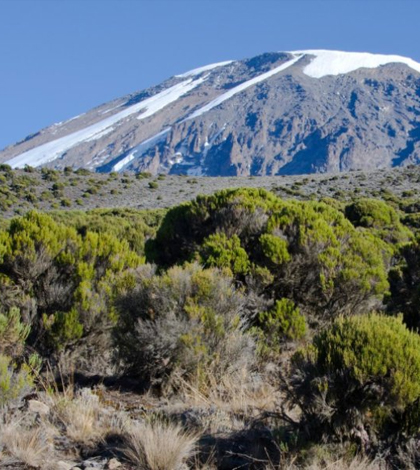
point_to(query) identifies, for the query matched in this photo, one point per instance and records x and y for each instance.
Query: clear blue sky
(59, 58)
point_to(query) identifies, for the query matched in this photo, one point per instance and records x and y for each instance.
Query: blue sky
(59, 58)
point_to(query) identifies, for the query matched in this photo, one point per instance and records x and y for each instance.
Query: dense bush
(283, 322)
(183, 323)
(134, 226)
(220, 251)
(378, 216)
(305, 251)
(405, 286)
(62, 282)
(359, 379)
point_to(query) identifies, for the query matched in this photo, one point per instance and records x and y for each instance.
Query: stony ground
(21, 191)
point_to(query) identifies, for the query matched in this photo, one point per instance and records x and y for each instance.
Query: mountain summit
(278, 113)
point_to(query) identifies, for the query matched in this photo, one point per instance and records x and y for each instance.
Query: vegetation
(241, 329)
(62, 282)
(361, 374)
(183, 324)
(305, 251)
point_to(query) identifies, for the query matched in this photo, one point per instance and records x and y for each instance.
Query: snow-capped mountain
(277, 113)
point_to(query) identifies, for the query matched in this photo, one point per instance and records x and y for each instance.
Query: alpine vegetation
(244, 328)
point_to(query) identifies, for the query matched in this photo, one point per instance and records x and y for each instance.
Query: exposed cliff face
(278, 113)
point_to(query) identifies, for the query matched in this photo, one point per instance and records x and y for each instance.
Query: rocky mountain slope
(278, 113)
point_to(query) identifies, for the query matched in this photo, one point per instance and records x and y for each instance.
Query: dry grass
(29, 446)
(237, 392)
(84, 418)
(224, 402)
(358, 463)
(159, 446)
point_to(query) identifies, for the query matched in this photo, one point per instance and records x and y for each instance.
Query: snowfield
(140, 149)
(338, 62)
(206, 68)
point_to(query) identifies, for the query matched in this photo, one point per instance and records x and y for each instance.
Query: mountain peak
(266, 115)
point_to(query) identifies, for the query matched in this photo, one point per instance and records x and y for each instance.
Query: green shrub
(83, 172)
(412, 221)
(16, 382)
(380, 217)
(219, 251)
(6, 168)
(13, 333)
(153, 185)
(57, 187)
(283, 322)
(66, 202)
(143, 175)
(182, 324)
(315, 256)
(131, 225)
(31, 197)
(92, 190)
(360, 375)
(405, 286)
(49, 174)
(63, 282)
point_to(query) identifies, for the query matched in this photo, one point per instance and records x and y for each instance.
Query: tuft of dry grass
(159, 446)
(85, 419)
(358, 463)
(29, 446)
(236, 392)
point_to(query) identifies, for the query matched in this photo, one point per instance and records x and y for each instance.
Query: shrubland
(307, 252)
(247, 329)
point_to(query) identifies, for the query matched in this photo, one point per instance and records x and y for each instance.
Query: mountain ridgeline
(282, 113)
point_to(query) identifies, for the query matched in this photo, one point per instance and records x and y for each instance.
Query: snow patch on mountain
(140, 149)
(52, 150)
(206, 68)
(100, 134)
(243, 86)
(338, 62)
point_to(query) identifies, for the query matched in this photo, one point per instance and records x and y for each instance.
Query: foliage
(13, 333)
(62, 281)
(222, 252)
(181, 324)
(283, 322)
(315, 256)
(405, 286)
(15, 382)
(134, 226)
(378, 216)
(361, 375)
